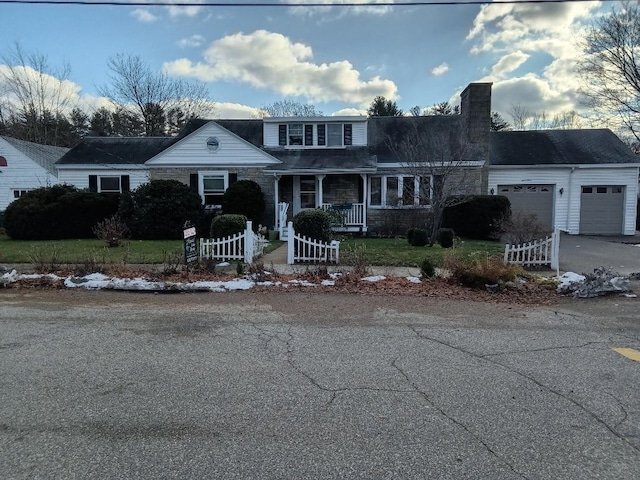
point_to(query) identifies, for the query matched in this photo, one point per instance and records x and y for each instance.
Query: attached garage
(602, 210)
(529, 198)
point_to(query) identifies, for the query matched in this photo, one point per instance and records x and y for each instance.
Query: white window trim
(211, 173)
(99, 186)
(315, 144)
(400, 177)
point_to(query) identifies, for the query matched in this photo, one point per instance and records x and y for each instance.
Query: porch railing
(353, 214)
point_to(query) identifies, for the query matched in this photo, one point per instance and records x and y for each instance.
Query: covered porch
(343, 194)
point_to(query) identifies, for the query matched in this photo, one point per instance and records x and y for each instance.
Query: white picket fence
(303, 249)
(535, 253)
(245, 246)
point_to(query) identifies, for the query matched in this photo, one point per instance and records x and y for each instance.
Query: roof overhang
(565, 166)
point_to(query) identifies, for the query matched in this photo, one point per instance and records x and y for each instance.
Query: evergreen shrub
(314, 223)
(477, 217)
(244, 197)
(226, 225)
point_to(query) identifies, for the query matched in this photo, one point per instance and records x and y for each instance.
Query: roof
(44, 155)
(355, 159)
(385, 131)
(116, 150)
(559, 147)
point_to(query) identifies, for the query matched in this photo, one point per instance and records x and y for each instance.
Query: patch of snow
(374, 278)
(303, 283)
(569, 278)
(414, 279)
(328, 283)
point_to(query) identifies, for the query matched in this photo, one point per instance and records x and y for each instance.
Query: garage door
(537, 199)
(601, 210)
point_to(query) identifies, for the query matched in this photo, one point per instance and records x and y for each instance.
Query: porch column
(276, 200)
(319, 193)
(365, 195)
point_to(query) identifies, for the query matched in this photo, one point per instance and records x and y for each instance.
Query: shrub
(57, 212)
(427, 269)
(244, 197)
(477, 273)
(476, 216)
(445, 237)
(522, 227)
(111, 230)
(314, 223)
(418, 237)
(227, 225)
(158, 210)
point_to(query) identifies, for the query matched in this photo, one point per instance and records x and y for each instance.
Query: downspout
(569, 206)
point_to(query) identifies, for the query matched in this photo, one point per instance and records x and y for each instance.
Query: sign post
(190, 244)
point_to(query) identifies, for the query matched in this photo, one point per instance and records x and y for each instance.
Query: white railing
(353, 215)
(282, 220)
(303, 249)
(245, 246)
(536, 252)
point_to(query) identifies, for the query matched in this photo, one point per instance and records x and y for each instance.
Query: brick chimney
(475, 108)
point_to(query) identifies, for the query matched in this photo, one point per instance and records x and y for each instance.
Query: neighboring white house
(583, 181)
(25, 166)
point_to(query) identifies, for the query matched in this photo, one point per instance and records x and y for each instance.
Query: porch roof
(348, 160)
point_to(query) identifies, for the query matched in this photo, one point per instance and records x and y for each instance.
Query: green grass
(397, 251)
(371, 251)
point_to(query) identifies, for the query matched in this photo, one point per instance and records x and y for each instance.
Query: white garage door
(537, 199)
(601, 210)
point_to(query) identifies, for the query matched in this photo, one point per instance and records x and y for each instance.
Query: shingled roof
(116, 150)
(559, 147)
(44, 155)
(353, 159)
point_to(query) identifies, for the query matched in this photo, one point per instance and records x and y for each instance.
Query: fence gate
(245, 246)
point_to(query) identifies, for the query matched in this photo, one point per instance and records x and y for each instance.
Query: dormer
(301, 133)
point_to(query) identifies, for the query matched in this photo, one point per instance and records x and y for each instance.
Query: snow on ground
(568, 278)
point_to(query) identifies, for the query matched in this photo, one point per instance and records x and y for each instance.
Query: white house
(25, 166)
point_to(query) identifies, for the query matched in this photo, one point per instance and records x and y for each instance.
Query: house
(25, 166)
(583, 181)
(368, 169)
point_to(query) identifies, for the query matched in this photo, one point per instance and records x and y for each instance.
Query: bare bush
(112, 230)
(522, 227)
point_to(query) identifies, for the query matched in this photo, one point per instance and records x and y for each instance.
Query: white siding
(79, 178)
(571, 180)
(193, 151)
(21, 173)
(359, 132)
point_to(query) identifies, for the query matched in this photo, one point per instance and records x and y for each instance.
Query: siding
(21, 173)
(359, 133)
(193, 151)
(567, 205)
(80, 178)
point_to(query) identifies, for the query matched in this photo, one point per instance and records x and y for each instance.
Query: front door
(304, 192)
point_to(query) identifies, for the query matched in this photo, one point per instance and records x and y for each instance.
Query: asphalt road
(107, 385)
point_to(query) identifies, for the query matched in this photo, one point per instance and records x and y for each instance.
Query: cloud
(143, 15)
(538, 41)
(368, 7)
(348, 112)
(190, 11)
(230, 110)
(440, 70)
(271, 61)
(192, 41)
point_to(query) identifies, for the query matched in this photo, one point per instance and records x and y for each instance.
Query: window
(307, 191)
(109, 184)
(334, 135)
(399, 191)
(295, 134)
(18, 193)
(213, 186)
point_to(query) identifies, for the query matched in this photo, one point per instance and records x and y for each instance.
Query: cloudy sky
(337, 58)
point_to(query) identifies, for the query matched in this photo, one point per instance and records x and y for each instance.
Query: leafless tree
(609, 66)
(32, 92)
(150, 95)
(289, 108)
(520, 116)
(440, 162)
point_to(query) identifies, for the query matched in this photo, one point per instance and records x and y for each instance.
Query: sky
(337, 58)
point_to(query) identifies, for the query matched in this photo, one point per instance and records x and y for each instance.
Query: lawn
(370, 251)
(397, 251)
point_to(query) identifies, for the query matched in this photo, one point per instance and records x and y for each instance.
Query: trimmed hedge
(157, 210)
(314, 223)
(477, 217)
(57, 212)
(244, 197)
(226, 225)
(445, 237)
(417, 237)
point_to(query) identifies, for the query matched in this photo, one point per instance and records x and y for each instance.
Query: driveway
(582, 254)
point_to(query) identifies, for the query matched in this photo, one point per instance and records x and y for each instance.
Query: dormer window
(295, 134)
